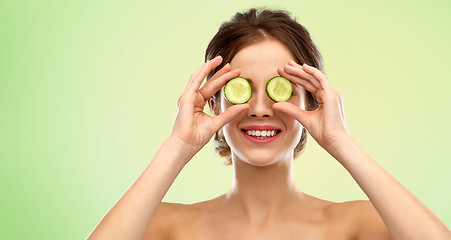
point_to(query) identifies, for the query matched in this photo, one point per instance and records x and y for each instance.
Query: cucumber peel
(238, 91)
(279, 89)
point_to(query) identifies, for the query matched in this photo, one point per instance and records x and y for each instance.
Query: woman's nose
(260, 105)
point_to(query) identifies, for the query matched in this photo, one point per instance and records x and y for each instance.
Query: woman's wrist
(185, 150)
(341, 146)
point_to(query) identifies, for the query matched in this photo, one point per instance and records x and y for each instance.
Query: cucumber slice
(279, 89)
(238, 91)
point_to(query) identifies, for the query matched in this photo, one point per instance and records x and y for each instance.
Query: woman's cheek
(230, 135)
(295, 133)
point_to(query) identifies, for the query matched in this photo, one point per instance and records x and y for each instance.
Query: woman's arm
(405, 216)
(130, 217)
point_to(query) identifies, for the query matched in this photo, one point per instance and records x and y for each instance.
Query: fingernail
(305, 64)
(292, 61)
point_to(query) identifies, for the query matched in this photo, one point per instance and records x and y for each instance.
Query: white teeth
(259, 133)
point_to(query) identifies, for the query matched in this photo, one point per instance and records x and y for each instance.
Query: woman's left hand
(327, 123)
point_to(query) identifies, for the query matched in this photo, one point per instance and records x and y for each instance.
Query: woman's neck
(260, 194)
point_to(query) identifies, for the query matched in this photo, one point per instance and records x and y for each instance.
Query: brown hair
(253, 26)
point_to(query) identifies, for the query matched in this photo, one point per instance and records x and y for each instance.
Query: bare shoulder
(364, 221)
(166, 219)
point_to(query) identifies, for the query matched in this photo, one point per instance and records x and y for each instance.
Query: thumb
(292, 110)
(223, 118)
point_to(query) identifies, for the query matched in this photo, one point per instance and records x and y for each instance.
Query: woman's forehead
(262, 58)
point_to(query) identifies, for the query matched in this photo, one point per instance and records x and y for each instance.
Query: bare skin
(309, 218)
(263, 201)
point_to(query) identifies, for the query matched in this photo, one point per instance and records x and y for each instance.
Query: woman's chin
(260, 163)
(261, 159)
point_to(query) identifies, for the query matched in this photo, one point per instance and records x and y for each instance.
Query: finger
(220, 120)
(212, 86)
(223, 70)
(208, 62)
(189, 85)
(299, 72)
(198, 77)
(304, 83)
(320, 76)
(292, 110)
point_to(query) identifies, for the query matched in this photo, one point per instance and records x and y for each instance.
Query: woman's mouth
(261, 136)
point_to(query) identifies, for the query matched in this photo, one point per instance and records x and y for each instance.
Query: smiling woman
(261, 138)
(249, 28)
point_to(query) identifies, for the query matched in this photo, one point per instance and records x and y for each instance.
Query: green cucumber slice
(238, 91)
(279, 89)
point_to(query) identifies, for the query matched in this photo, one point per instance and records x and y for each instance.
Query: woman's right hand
(193, 126)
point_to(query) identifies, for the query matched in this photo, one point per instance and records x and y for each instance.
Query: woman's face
(258, 64)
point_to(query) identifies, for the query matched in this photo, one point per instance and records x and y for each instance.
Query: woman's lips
(261, 134)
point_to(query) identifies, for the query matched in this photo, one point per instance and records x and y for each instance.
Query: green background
(88, 93)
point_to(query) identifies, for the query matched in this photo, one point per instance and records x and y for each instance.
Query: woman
(263, 201)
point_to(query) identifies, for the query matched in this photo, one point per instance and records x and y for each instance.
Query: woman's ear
(211, 102)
